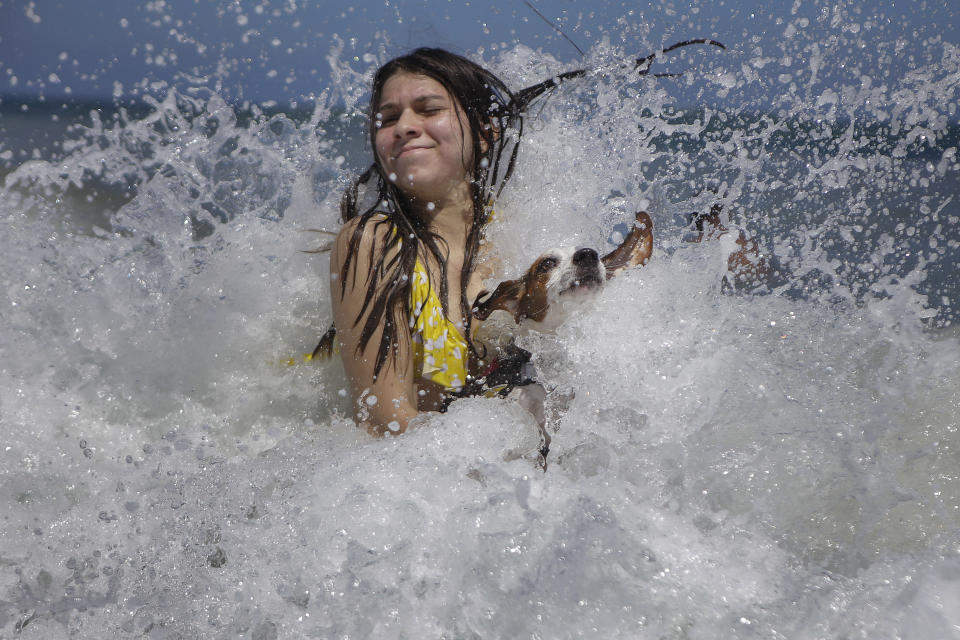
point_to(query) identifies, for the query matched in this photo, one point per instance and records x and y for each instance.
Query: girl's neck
(450, 219)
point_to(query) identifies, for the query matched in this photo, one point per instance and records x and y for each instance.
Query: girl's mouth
(408, 150)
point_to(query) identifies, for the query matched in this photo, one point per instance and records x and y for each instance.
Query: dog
(557, 276)
(562, 274)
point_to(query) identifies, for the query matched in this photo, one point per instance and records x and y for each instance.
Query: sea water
(773, 461)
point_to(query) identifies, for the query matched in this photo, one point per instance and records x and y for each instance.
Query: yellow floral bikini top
(440, 352)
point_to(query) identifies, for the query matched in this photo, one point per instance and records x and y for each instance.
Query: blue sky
(277, 49)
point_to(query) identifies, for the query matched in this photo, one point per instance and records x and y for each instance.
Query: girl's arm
(384, 403)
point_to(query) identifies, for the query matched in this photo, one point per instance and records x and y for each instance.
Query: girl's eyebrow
(417, 101)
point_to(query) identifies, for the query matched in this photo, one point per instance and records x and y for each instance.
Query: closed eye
(546, 264)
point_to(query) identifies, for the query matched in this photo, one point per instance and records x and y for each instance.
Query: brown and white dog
(553, 279)
(563, 274)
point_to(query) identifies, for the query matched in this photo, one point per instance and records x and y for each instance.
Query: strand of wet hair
(523, 98)
(554, 27)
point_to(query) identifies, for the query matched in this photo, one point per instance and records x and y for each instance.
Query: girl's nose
(408, 124)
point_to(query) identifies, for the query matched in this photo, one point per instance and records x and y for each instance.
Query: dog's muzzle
(589, 274)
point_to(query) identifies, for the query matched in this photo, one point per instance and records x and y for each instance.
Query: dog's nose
(585, 257)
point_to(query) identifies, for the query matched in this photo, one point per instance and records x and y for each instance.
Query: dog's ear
(635, 249)
(505, 298)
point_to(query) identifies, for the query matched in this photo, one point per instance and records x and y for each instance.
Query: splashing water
(773, 462)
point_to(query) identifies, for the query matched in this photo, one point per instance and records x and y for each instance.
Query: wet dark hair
(491, 115)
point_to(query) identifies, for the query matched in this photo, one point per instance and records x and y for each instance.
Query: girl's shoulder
(365, 232)
(362, 239)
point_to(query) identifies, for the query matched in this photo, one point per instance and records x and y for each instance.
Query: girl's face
(422, 139)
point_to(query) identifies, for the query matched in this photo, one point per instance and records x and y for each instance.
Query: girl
(406, 266)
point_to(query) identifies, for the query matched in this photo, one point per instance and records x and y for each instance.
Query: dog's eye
(546, 264)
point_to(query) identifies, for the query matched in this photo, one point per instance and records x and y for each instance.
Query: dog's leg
(532, 397)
